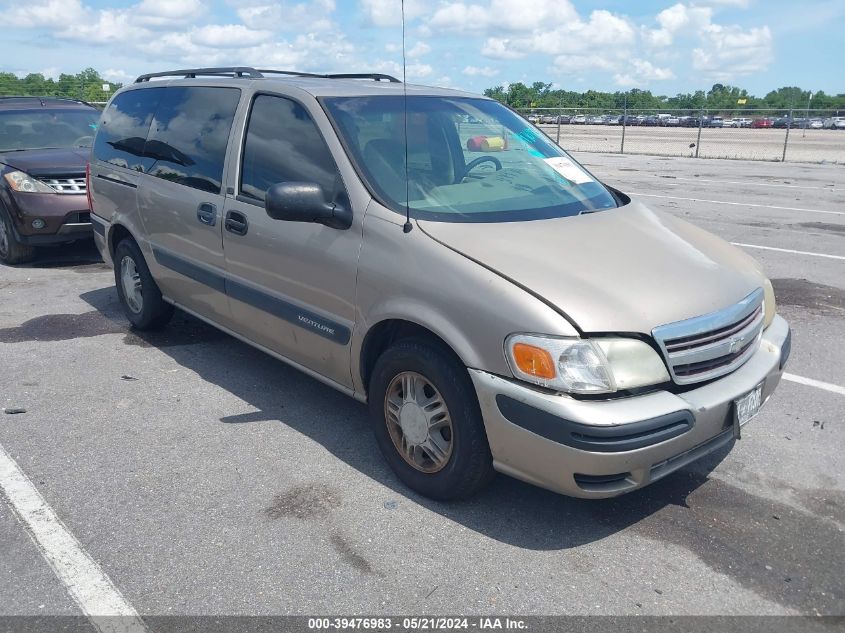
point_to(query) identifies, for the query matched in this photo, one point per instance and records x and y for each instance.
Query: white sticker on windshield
(569, 170)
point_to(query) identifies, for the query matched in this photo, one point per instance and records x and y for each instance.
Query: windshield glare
(469, 160)
(37, 129)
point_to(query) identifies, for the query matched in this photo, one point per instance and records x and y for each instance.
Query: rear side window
(123, 129)
(189, 134)
(283, 144)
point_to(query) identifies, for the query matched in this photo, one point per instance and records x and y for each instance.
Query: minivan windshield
(47, 128)
(469, 160)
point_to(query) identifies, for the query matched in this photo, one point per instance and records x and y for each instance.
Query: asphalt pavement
(204, 477)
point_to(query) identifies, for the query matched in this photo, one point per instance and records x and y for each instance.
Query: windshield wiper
(27, 149)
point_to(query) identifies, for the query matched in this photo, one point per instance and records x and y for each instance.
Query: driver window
(283, 144)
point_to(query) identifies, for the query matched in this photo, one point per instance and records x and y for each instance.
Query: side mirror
(305, 202)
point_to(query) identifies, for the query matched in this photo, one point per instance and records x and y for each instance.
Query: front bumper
(604, 448)
(66, 217)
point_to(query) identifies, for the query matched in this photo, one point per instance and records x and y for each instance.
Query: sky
(663, 46)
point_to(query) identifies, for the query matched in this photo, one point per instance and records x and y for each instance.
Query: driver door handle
(236, 223)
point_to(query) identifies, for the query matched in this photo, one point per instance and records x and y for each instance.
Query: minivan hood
(628, 269)
(47, 161)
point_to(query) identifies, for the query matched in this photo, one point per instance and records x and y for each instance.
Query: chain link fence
(95, 93)
(800, 135)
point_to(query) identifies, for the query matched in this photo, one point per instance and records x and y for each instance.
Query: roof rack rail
(235, 71)
(42, 98)
(373, 76)
(247, 72)
(292, 73)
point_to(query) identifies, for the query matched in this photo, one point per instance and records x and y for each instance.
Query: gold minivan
(431, 253)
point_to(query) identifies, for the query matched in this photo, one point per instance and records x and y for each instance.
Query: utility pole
(807, 116)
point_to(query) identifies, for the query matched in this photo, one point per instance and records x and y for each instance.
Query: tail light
(88, 185)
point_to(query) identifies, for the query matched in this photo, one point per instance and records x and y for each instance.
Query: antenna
(407, 227)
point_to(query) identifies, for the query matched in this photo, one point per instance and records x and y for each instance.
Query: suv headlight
(19, 181)
(585, 366)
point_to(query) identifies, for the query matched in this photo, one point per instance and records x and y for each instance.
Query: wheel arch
(384, 333)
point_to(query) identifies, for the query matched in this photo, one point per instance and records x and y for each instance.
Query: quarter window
(189, 135)
(123, 129)
(283, 144)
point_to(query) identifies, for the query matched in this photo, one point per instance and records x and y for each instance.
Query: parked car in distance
(587, 380)
(650, 120)
(713, 121)
(44, 146)
(534, 118)
(782, 122)
(672, 121)
(548, 119)
(729, 123)
(742, 122)
(764, 122)
(613, 119)
(579, 119)
(834, 123)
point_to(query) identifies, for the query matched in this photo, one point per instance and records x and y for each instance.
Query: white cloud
(116, 75)
(389, 12)
(287, 16)
(741, 4)
(166, 13)
(228, 36)
(484, 71)
(642, 72)
(418, 50)
(730, 51)
(501, 15)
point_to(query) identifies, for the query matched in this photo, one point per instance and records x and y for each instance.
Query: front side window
(124, 127)
(47, 128)
(283, 144)
(189, 134)
(468, 160)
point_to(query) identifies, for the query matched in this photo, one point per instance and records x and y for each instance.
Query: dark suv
(44, 147)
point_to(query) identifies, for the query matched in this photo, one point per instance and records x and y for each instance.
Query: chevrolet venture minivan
(431, 253)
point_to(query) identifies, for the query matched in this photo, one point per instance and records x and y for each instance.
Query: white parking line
(750, 184)
(738, 204)
(86, 583)
(815, 383)
(789, 250)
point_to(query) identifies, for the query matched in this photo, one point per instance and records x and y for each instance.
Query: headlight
(599, 365)
(769, 307)
(19, 181)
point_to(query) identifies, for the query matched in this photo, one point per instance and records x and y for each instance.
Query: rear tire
(453, 461)
(11, 250)
(139, 294)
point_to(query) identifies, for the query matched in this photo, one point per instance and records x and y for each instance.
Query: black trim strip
(207, 277)
(118, 181)
(786, 349)
(98, 224)
(280, 308)
(601, 439)
(289, 312)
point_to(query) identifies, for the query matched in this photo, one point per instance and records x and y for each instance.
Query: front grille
(66, 184)
(715, 344)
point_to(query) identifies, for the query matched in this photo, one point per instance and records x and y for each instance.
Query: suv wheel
(138, 292)
(427, 421)
(11, 250)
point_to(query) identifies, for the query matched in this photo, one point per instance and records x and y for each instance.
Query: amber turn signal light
(534, 361)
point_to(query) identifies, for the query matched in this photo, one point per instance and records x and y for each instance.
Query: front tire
(139, 294)
(427, 421)
(11, 250)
